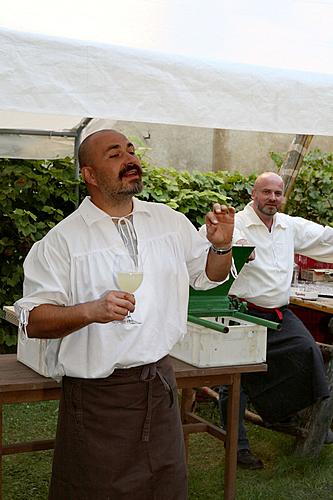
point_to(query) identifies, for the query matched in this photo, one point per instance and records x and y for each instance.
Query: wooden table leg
(186, 407)
(231, 439)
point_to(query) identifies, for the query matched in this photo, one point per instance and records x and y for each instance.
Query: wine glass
(129, 276)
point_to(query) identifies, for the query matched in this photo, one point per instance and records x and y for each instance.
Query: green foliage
(312, 194)
(277, 158)
(34, 196)
(194, 193)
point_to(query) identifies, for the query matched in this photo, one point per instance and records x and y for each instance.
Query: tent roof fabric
(168, 62)
(67, 79)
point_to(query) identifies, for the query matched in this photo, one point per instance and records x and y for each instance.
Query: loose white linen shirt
(266, 280)
(74, 263)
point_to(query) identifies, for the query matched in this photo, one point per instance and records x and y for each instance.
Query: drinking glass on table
(129, 276)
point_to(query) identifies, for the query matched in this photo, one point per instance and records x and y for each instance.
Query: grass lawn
(26, 476)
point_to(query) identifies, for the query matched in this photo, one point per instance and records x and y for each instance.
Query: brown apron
(120, 437)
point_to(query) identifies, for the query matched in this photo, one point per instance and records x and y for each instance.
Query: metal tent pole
(77, 141)
(48, 133)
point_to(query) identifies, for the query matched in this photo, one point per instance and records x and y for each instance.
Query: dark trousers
(296, 376)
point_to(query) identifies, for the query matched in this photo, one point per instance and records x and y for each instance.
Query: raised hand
(220, 225)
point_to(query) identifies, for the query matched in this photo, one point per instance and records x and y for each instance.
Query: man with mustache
(296, 376)
(119, 431)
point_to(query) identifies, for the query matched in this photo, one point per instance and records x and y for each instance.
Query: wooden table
(20, 384)
(316, 315)
(323, 304)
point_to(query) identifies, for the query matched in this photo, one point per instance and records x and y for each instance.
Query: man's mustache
(128, 167)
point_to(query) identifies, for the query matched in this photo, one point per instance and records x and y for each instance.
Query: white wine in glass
(129, 281)
(129, 275)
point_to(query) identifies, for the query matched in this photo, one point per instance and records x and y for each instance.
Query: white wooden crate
(244, 343)
(30, 352)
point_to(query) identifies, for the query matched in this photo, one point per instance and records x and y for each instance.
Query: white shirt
(266, 280)
(73, 263)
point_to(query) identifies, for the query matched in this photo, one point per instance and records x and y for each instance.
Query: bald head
(267, 196)
(111, 170)
(268, 178)
(86, 149)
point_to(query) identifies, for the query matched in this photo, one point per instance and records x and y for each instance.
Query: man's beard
(122, 192)
(271, 210)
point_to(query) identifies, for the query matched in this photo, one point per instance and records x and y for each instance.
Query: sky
(291, 34)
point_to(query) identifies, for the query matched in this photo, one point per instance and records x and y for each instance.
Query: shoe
(329, 437)
(247, 460)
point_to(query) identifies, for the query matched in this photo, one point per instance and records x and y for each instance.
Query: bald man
(296, 376)
(119, 433)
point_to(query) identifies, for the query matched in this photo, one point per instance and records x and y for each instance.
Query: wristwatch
(221, 251)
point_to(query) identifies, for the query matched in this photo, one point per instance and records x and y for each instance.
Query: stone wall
(203, 149)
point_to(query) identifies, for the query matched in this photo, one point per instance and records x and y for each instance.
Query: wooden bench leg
(232, 439)
(185, 408)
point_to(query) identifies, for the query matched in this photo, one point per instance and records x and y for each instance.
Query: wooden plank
(193, 428)
(321, 304)
(231, 439)
(15, 376)
(184, 369)
(254, 418)
(30, 396)
(212, 429)
(11, 449)
(186, 404)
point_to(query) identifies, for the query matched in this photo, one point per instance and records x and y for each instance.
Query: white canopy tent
(262, 66)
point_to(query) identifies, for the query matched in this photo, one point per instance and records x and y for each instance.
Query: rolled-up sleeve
(46, 274)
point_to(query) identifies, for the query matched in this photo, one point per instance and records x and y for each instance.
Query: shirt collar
(91, 213)
(252, 219)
